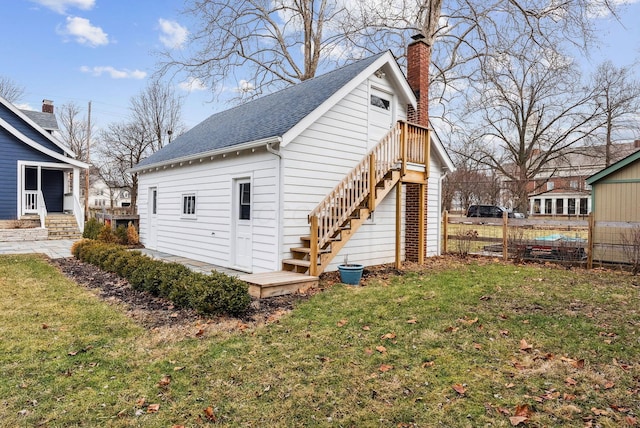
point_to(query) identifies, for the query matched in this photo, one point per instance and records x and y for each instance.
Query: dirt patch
(157, 313)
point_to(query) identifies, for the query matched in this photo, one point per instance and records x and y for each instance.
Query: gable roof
(280, 116)
(613, 168)
(34, 144)
(47, 121)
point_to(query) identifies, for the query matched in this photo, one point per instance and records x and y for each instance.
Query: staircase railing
(78, 213)
(403, 143)
(42, 209)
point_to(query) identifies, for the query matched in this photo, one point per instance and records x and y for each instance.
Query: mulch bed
(155, 312)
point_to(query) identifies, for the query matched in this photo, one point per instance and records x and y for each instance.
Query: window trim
(184, 205)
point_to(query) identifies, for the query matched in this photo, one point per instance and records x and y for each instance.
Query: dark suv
(488, 211)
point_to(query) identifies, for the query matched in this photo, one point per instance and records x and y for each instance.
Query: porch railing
(78, 212)
(403, 143)
(30, 201)
(41, 208)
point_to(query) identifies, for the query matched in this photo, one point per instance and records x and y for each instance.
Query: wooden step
(307, 250)
(271, 284)
(297, 262)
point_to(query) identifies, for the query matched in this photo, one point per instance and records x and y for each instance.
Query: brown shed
(615, 202)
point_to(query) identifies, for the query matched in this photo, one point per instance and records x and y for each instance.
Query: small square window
(380, 102)
(550, 185)
(189, 205)
(244, 210)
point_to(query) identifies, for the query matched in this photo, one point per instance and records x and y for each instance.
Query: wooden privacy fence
(566, 241)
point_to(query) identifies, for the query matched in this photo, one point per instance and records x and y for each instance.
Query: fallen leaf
(572, 408)
(165, 381)
(599, 412)
(45, 326)
(570, 381)
(428, 364)
(208, 413)
(153, 408)
(459, 388)
(468, 321)
(366, 328)
(412, 321)
(579, 364)
(342, 323)
(388, 336)
(451, 329)
(477, 346)
(140, 402)
(504, 411)
(368, 351)
(524, 410)
(381, 349)
(609, 385)
(200, 332)
(509, 385)
(177, 369)
(504, 332)
(568, 397)
(524, 346)
(630, 420)
(517, 420)
(385, 368)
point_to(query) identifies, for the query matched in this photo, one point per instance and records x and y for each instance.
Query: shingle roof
(269, 116)
(46, 121)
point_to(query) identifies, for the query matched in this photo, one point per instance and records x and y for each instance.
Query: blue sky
(103, 51)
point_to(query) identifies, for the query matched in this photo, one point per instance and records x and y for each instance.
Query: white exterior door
(152, 228)
(381, 115)
(242, 240)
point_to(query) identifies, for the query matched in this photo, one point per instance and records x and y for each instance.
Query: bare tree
(10, 90)
(159, 109)
(618, 99)
(276, 43)
(527, 111)
(122, 146)
(271, 44)
(74, 130)
(155, 120)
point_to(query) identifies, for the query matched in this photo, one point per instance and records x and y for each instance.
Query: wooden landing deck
(271, 284)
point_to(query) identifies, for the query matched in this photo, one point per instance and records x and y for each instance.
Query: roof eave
(237, 148)
(613, 168)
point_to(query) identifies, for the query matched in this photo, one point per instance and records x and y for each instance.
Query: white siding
(208, 237)
(318, 159)
(434, 208)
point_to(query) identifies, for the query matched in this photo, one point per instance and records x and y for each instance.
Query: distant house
(336, 166)
(615, 200)
(101, 196)
(40, 176)
(560, 188)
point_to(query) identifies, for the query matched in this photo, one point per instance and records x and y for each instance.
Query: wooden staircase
(348, 206)
(62, 226)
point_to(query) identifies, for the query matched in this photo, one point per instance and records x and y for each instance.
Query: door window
(245, 201)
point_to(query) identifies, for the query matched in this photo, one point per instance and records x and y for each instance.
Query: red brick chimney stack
(418, 59)
(47, 106)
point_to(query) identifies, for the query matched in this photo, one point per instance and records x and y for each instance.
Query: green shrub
(132, 235)
(218, 293)
(92, 228)
(121, 235)
(213, 294)
(107, 235)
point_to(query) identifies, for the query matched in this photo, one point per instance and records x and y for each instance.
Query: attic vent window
(380, 102)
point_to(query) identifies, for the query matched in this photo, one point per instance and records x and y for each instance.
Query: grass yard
(452, 345)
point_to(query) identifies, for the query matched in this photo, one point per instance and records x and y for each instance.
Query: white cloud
(23, 106)
(245, 86)
(113, 72)
(172, 34)
(192, 84)
(61, 6)
(85, 33)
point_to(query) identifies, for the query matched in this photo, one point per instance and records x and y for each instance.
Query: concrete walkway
(57, 249)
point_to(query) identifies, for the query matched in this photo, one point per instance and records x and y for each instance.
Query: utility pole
(86, 174)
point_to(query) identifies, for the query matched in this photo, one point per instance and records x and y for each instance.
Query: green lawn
(453, 345)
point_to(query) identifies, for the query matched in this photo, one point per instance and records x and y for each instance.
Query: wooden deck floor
(270, 284)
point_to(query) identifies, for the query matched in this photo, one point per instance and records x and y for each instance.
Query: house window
(550, 185)
(548, 203)
(189, 205)
(536, 206)
(583, 206)
(380, 102)
(573, 184)
(245, 201)
(559, 206)
(572, 206)
(154, 201)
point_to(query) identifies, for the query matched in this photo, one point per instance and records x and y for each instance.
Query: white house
(298, 179)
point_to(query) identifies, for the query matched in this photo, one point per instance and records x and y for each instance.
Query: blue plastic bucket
(350, 274)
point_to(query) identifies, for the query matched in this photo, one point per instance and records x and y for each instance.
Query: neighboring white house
(241, 189)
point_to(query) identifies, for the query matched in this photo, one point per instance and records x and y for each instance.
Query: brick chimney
(47, 106)
(418, 58)
(636, 144)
